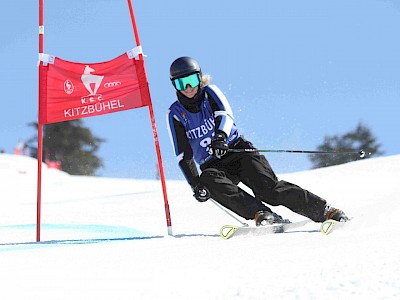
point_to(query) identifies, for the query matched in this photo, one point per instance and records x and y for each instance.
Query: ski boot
(268, 218)
(335, 214)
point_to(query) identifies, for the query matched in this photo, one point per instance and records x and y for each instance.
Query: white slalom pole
(227, 212)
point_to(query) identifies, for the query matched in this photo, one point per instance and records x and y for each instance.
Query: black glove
(218, 147)
(201, 193)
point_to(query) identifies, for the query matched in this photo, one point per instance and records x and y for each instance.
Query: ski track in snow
(104, 238)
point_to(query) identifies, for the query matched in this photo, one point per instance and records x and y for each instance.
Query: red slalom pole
(154, 128)
(40, 126)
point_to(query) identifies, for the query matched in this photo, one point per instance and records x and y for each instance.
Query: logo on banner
(112, 84)
(68, 87)
(92, 83)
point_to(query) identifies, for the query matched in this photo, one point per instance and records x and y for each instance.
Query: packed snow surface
(104, 238)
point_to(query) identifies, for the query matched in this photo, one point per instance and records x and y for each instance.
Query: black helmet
(183, 66)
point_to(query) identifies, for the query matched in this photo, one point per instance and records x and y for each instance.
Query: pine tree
(73, 145)
(354, 141)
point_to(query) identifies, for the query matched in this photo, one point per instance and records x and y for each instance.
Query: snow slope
(106, 238)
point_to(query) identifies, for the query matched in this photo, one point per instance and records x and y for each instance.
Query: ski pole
(227, 212)
(361, 153)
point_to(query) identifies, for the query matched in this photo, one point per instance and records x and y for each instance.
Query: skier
(202, 129)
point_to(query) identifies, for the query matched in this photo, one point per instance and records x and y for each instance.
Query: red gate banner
(76, 90)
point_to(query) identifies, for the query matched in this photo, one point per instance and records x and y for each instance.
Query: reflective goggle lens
(181, 83)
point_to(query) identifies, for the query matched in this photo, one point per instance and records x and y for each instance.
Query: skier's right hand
(201, 193)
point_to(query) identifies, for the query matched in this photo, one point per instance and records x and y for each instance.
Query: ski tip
(327, 226)
(227, 231)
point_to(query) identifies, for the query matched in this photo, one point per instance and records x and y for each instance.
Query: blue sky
(294, 71)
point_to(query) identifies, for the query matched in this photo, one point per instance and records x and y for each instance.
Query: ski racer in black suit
(202, 129)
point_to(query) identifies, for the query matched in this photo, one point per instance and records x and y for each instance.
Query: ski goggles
(180, 83)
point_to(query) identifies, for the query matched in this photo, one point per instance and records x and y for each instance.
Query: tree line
(71, 144)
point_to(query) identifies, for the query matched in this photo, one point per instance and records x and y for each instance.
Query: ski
(329, 225)
(228, 231)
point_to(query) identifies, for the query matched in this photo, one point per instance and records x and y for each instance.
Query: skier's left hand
(219, 147)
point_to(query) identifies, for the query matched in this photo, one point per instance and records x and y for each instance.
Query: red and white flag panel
(72, 90)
